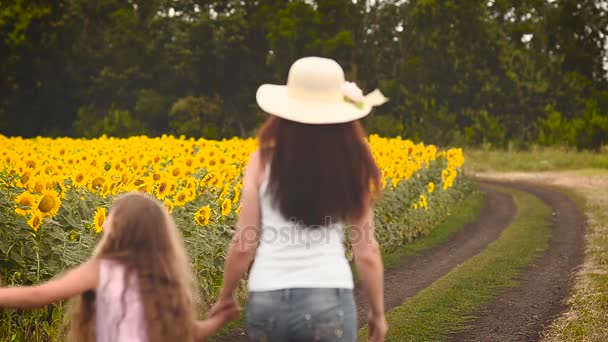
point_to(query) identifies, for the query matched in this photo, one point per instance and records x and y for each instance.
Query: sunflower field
(55, 194)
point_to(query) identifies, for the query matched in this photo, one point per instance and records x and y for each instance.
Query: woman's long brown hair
(319, 174)
(143, 238)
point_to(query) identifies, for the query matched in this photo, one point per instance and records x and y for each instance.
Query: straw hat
(316, 93)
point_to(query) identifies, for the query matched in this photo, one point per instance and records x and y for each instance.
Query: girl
(137, 287)
(313, 174)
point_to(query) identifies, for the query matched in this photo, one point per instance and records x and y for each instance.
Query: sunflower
(25, 203)
(35, 221)
(38, 185)
(49, 203)
(125, 178)
(181, 198)
(431, 187)
(156, 176)
(190, 183)
(169, 205)
(97, 183)
(146, 185)
(100, 218)
(23, 179)
(203, 216)
(56, 182)
(224, 192)
(423, 203)
(207, 179)
(226, 207)
(444, 175)
(79, 179)
(237, 193)
(172, 189)
(161, 190)
(190, 195)
(175, 171)
(31, 164)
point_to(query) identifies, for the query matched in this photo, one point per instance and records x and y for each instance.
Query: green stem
(37, 266)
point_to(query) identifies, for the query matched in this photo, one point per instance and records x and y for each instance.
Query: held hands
(228, 314)
(378, 327)
(225, 306)
(220, 314)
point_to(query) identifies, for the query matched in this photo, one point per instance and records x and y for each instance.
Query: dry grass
(536, 159)
(587, 316)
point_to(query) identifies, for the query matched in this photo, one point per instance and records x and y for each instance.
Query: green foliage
(152, 108)
(15, 18)
(116, 123)
(192, 115)
(384, 125)
(587, 132)
(484, 129)
(593, 130)
(472, 71)
(557, 130)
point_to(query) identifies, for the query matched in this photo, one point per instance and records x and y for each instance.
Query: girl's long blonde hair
(144, 239)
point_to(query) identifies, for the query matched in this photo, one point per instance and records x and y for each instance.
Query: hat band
(321, 97)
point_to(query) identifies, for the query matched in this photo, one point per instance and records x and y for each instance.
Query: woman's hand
(378, 327)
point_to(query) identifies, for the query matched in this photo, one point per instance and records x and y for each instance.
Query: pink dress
(118, 318)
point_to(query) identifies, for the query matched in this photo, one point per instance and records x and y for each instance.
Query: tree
(195, 116)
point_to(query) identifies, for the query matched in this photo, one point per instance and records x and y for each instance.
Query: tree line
(472, 72)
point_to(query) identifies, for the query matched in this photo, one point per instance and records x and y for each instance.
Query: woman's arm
(245, 240)
(70, 284)
(370, 269)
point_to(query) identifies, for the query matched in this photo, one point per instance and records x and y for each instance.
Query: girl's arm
(245, 240)
(81, 279)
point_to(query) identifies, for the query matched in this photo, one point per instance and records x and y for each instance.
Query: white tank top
(292, 256)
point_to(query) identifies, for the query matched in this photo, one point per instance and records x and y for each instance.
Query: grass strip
(586, 318)
(535, 159)
(447, 305)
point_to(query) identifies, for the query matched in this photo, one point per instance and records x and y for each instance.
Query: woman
(312, 175)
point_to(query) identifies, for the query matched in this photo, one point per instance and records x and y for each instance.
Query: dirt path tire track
(523, 312)
(420, 271)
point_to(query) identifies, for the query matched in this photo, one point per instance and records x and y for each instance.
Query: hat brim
(275, 100)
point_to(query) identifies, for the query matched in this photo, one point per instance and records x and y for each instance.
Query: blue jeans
(299, 315)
